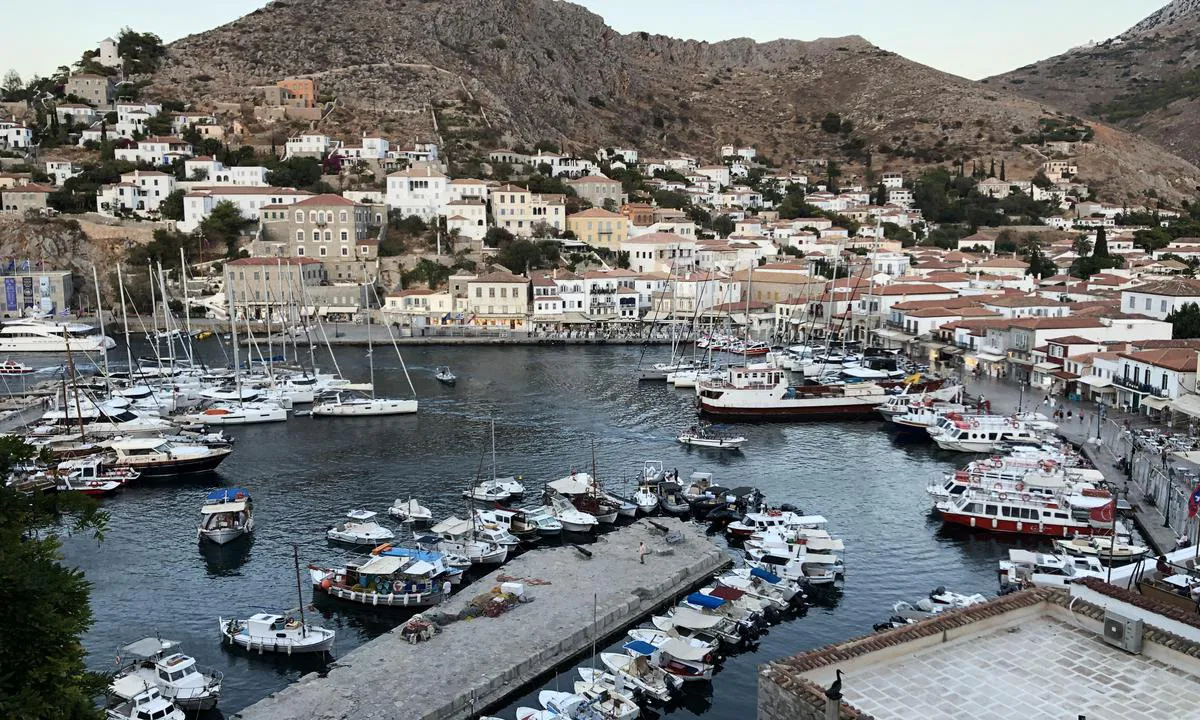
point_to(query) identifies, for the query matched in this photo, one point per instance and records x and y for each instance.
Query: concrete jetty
(475, 663)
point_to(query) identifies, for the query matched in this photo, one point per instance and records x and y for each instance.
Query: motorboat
(978, 433)
(151, 663)
(543, 520)
(387, 580)
(491, 527)
(625, 508)
(444, 376)
(583, 706)
(147, 704)
(700, 436)
(608, 701)
(227, 514)
(749, 617)
(582, 491)
(809, 568)
(572, 520)
(671, 499)
(1103, 548)
(486, 493)
(457, 536)
(939, 600)
(238, 413)
(360, 530)
(12, 367)
(761, 583)
(641, 674)
(157, 457)
(688, 623)
(90, 476)
(267, 632)
(1026, 568)
(761, 522)
(658, 638)
(645, 499)
(510, 485)
(681, 660)
(772, 604)
(49, 336)
(410, 511)
(598, 681)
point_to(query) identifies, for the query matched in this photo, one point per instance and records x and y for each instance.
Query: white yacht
(39, 335)
(360, 407)
(276, 633)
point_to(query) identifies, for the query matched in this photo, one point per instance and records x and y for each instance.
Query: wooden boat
(227, 514)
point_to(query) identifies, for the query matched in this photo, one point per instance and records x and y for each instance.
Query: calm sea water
(550, 406)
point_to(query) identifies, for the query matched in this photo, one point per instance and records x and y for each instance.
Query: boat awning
(891, 334)
(148, 647)
(382, 565)
(222, 507)
(640, 647)
(825, 544)
(988, 357)
(577, 484)
(227, 494)
(765, 575)
(1155, 403)
(818, 559)
(337, 310)
(1096, 382)
(452, 526)
(692, 620)
(1086, 501)
(420, 567)
(683, 651)
(1188, 405)
(726, 593)
(705, 601)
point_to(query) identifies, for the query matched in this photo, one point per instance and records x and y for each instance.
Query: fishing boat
(572, 520)
(640, 674)
(147, 704)
(543, 520)
(582, 491)
(49, 336)
(267, 632)
(150, 663)
(458, 537)
(410, 510)
(608, 701)
(12, 367)
(444, 376)
(387, 580)
(227, 514)
(360, 530)
(702, 436)
(658, 638)
(90, 476)
(688, 623)
(757, 581)
(753, 523)
(157, 457)
(492, 529)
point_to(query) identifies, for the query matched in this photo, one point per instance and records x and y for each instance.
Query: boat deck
(477, 663)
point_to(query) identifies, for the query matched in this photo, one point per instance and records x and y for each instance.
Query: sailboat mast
(187, 308)
(299, 591)
(162, 286)
(74, 385)
(100, 320)
(746, 342)
(237, 363)
(125, 321)
(493, 449)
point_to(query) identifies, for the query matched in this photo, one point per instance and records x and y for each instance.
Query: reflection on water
(550, 406)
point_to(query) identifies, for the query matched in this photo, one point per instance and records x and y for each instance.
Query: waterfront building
(498, 299)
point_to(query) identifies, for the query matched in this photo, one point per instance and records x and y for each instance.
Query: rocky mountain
(1146, 80)
(505, 71)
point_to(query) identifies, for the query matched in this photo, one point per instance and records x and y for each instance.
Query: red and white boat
(763, 393)
(1073, 511)
(12, 367)
(90, 477)
(980, 433)
(1045, 478)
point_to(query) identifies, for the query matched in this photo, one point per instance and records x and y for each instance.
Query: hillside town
(282, 298)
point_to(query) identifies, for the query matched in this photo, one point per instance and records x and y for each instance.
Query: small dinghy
(645, 499)
(444, 376)
(671, 499)
(360, 530)
(410, 511)
(266, 632)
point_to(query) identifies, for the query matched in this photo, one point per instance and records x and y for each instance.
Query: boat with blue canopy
(227, 514)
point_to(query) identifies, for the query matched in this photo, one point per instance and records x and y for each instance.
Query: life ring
(998, 486)
(1026, 497)
(1003, 496)
(1020, 486)
(974, 423)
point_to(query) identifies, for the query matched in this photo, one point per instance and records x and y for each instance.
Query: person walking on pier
(642, 553)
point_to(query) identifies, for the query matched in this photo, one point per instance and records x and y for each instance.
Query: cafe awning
(1094, 381)
(989, 357)
(952, 350)
(1155, 403)
(337, 310)
(1046, 367)
(1188, 405)
(893, 334)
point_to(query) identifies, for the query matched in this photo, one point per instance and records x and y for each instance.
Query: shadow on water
(228, 559)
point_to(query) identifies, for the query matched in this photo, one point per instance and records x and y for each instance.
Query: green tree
(11, 87)
(1041, 180)
(671, 199)
(1081, 246)
(623, 259)
(224, 225)
(1101, 249)
(523, 254)
(1002, 171)
(140, 53)
(44, 605)
(723, 225)
(172, 206)
(297, 172)
(1185, 322)
(1040, 265)
(498, 237)
(831, 123)
(164, 248)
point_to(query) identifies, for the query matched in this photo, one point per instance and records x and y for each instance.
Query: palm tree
(1081, 246)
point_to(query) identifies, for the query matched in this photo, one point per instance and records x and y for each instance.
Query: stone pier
(475, 663)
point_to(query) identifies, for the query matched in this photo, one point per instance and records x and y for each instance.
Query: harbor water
(551, 406)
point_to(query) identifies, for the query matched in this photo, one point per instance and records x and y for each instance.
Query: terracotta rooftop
(1055, 323)
(328, 199)
(501, 276)
(903, 289)
(275, 261)
(1177, 359)
(1172, 287)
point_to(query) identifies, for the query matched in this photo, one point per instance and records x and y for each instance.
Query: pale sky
(972, 38)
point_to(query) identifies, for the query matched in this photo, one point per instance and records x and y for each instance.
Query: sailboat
(345, 405)
(497, 489)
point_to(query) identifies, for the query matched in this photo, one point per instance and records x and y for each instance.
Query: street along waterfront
(550, 404)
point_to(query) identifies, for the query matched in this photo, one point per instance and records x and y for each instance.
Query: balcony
(1140, 388)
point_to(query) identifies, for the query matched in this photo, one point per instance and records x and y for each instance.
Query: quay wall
(474, 664)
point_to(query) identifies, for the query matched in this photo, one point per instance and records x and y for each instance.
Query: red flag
(1104, 513)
